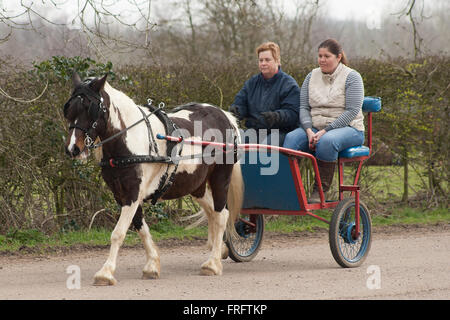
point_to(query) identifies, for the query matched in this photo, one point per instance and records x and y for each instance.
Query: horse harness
(166, 180)
(95, 109)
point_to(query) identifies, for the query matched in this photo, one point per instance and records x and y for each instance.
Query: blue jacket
(280, 93)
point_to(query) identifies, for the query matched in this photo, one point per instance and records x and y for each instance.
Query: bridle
(94, 111)
(95, 108)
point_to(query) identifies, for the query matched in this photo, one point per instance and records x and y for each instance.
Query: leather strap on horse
(151, 140)
(169, 126)
(166, 181)
(129, 161)
(121, 132)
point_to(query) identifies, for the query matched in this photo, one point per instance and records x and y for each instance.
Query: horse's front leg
(105, 276)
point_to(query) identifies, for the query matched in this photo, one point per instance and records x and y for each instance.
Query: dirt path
(410, 263)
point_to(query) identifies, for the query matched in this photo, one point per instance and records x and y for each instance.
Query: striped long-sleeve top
(354, 95)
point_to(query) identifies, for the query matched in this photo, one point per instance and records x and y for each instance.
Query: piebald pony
(96, 111)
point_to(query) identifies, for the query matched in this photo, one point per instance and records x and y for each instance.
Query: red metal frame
(305, 207)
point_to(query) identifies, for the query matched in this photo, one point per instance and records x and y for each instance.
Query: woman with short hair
(270, 99)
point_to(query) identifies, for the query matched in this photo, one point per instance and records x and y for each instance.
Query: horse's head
(87, 113)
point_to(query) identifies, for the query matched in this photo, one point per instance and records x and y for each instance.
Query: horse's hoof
(150, 275)
(207, 272)
(102, 281)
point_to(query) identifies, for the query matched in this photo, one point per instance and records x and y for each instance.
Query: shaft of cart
(252, 147)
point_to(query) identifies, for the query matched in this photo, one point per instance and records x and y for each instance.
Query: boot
(326, 171)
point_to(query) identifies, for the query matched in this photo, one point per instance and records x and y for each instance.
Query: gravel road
(404, 263)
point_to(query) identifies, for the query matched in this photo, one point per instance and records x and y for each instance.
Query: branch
(2, 92)
(417, 40)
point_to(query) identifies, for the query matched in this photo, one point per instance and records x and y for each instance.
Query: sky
(370, 11)
(367, 10)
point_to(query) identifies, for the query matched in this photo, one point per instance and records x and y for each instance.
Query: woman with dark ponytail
(331, 117)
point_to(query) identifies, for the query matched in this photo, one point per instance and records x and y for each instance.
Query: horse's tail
(235, 195)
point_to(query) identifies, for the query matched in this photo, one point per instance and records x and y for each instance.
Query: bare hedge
(41, 188)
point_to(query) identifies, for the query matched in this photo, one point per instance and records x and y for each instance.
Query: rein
(121, 132)
(166, 180)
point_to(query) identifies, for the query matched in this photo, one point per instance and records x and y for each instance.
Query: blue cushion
(352, 152)
(371, 104)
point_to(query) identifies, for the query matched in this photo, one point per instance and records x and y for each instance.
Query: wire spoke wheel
(244, 243)
(350, 249)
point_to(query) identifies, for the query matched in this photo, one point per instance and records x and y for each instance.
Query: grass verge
(17, 241)
(36, 241)
(399, 216)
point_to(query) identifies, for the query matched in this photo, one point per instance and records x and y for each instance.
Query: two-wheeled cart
(274, 186)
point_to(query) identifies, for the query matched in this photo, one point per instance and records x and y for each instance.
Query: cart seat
(370, 104)
(352, 152)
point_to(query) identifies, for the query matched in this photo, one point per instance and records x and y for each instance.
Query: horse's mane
(118, 97)
(118, 100)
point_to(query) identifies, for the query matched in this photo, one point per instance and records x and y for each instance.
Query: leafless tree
(414, 11)
(162, 31)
